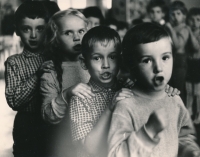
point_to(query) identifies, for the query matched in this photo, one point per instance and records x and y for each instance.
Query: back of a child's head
(178, 5)
(54, 21)
(140, 34)
(102, 35)
(94, 11)
(32, 10)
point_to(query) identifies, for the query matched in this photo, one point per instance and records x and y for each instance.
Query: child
(179, 34)
(112, 23)
(64, 34)
(193, 77)
(101, 48)
(157, 11)
(122, 28)
(22, 73)
(150, 123)
(94, 16)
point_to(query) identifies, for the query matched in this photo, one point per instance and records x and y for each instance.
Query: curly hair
(53, 51)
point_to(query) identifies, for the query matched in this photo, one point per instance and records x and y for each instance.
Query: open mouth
(33, 43)
(106, 75)
(159, 79)
(77, 47)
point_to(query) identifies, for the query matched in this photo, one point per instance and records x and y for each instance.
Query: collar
(27, 53)
(96, 88)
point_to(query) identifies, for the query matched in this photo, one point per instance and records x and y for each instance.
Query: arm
(84, 130)
(53, 106)
(187, 144)
(18, 92)
(193, 40)
(124, 140)
(179, 38)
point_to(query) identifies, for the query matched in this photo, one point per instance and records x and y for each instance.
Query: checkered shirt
(84, 113)
(22, 85)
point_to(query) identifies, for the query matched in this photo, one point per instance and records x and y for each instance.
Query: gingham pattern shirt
(22, 85)
(84, 113)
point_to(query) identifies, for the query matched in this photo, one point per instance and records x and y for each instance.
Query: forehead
(70, 22)
(156, 8)
(155, 48)
(93, 19)
(177, 11)
(105, 47)
(32, 22)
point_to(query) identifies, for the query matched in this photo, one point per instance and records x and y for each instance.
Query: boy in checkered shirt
(22, 73)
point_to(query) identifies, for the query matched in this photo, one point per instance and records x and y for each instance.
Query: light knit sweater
(130, 116)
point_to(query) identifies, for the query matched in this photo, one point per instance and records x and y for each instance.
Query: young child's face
(32, 33)
(154, 64)
(93, 22)
(156, 14)
(103, 63)
(177, 17)
(194, 22)
(70, 33)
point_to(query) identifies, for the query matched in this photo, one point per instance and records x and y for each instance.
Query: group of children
(70, 102)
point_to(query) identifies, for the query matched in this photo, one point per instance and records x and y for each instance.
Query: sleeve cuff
(59, 109)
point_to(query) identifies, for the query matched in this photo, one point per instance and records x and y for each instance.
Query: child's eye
(96, 58)
(113, 57)
(40, 29)
(82, 31)
(26, 29)
(165, 58)
(68, 33)
(146, 61)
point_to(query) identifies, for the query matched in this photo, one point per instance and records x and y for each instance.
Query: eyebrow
(70, 30)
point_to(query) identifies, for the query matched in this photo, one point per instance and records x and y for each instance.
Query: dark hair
(94, 12)
(140, 34)
(100, 34)
(193, 12)
(178, 5)
(111, 21)
(122, 25)
(157, 3)
(31, 9)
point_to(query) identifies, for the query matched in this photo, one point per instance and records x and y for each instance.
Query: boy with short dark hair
(149, 123)
(101, 48)
(22, 73)
(157, 11)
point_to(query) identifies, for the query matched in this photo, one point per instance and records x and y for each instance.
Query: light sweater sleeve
(187, 138)
(123, 139)
(52, 112)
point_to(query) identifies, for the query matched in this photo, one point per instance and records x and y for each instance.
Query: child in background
(180, 35)
(112, 23)
(94, 16)
(157, 11)
(22, 73)
(193, 75)
(150, 123)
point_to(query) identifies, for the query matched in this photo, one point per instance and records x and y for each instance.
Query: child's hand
(81, 90)
(157, 122)
(171, 91)
(126, 82)
(45, 67)
(120, 95)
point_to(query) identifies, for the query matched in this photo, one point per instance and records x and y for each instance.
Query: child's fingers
(125, 94)
(119, 98)
(170, 91)
(167, 88)
(174, 92)
(79, 95)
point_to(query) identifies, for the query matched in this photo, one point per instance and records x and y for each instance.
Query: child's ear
(83, 62)
(16, 30)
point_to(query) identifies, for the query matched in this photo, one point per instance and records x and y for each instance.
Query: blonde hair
(53, 28)
(53, 51)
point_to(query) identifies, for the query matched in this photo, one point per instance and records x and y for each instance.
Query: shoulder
(75, 100)
(12, 60)
(50, 76)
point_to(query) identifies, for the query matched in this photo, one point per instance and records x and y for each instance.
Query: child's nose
(158, 67)
(105, 64)
(76, 37)
(33, 34)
